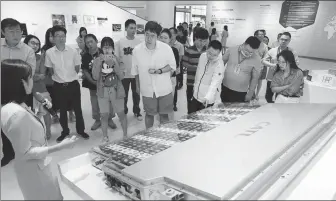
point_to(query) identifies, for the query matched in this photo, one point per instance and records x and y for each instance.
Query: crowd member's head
(59, 34)
(226, 28)
(11, 29)
(201, 38)
(251, 44)
(264, 31)
(152, 31)
(165, 36)
(82, 32)
(190, 25)
(198, 24)
(33, 42)
(173, 32)
(259, 34)
(266, 40)
(130, 26)
(286, 61)
(185, 25)
(212, 24)
(48, 40)
(285, 39)
(91, 42)
(18, 75)
(213, 31)
(180, 30)
(107, 45)
(180, 24)
(214, 49)
(278, 37)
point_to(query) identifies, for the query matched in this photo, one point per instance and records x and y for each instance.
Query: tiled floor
(9, 186)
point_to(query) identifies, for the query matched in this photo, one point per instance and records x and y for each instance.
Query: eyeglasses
(34, 43)
(60, 37)
(151, 36)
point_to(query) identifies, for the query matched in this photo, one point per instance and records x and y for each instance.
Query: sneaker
(105, 140)
(72, 117)
(175, 108)
(96, 125)
(138, 116)
(112, 124)
(62, 137)
(84, 135)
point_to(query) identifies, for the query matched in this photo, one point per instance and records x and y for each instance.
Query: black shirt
(87, 62)
(177, 58)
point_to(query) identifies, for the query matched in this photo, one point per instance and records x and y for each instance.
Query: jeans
(136, 97)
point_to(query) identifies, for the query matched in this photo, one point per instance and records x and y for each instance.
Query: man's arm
(217, 79)
(135, 71)
(77, 61)
(267, 60)
(253, 83)
(171, 66)
(31, 59)
(48, 63)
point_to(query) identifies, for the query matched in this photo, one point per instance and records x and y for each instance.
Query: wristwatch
(160, 71)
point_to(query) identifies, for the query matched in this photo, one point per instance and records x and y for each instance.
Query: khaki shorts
(109, 103)
(38, 107)
(161, 105)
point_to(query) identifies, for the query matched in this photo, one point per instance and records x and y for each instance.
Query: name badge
(237, 69)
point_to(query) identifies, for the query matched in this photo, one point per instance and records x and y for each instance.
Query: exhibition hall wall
(312, 37)
(38, 17)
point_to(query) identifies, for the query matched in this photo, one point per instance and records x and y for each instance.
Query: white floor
(9, 187)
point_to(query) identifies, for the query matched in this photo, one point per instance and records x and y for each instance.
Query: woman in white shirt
(225, 35)
(26, 132)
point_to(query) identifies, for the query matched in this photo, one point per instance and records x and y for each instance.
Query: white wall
(309, 41)
(139, 6)
(37, 16)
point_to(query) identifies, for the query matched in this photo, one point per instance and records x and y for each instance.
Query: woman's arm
(280, 88)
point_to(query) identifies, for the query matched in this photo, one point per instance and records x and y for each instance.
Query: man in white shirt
(13, 48)
(152, 63)
(270, 60)
(124, 50)
(64, 63)
(209, 76)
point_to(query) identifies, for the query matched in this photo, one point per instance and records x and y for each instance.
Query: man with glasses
(64, 64)
(242, 71)
(270, 60)
(191, 58)
(152, 63)
(13, 48)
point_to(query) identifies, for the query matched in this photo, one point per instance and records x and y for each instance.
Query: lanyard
(239, 57)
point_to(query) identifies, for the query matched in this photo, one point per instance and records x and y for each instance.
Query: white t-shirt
(144, 59)
(124, 50)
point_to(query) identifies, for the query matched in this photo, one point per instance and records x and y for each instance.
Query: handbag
(109, 80)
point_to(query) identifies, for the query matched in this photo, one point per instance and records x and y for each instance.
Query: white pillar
(161, 12)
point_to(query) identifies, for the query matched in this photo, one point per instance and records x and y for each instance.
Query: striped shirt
(190, 61)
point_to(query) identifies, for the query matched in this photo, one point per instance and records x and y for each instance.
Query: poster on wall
(102, 21)
(58, 20)
(116, 27)
(140, 29)
(74, 20)
(89, 19)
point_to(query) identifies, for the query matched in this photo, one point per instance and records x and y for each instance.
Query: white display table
(86, 180)
(314, 92)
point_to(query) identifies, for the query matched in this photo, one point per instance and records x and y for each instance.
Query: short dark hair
(80, 31)
(167, 32)
(184, 23)
(57, 28)
(212, 23)
(287, 34)
(253, 41)
(198, 24)
(180, 28)
(201, 33)
(279, 35)
(266, 38)
(90, 36)
(173, 28)
(257, 31)
(9, 22)
(215, 44)
(29, 37)
(129, 21)
(153, 27)
(107, 41)
(13, 71)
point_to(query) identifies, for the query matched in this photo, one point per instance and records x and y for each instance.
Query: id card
(237, 69)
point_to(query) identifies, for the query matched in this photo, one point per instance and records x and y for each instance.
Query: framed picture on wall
(88, 19)
(74, 19)
(116, 27)
(140, 29)
(58, 20)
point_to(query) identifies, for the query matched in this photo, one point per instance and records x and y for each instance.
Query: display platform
(229, 152)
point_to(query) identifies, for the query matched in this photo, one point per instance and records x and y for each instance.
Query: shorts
(109, 103)
(263, 73)
(161, 105)
(38, 107)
